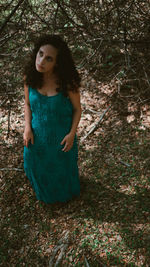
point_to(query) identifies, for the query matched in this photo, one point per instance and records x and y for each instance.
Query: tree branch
(10, 15)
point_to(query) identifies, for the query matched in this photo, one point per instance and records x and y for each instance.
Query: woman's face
(46, 59)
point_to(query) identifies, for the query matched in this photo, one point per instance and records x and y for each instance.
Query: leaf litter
(108, 225)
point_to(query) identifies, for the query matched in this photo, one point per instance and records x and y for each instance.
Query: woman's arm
(69, 138)
(75, 100)
(28, 134)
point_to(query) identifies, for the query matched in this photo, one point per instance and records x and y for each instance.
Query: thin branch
(147, 80)
(10, 15)
(8, 128)
(55, 17)
(124, 163)
(9, 4)
(96, 125)
(62, 246)
(86, 262)
(60, 257)
(11, 169)
(7, 38)
(92, 111)
(4, 101)
(66, 14)
(42, 20)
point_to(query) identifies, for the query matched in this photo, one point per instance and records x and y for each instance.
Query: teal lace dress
(53, 173)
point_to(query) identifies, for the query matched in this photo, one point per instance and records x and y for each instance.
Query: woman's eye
(49, 59)
(40, 53)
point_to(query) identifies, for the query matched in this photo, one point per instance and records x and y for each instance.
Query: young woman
(52, 115)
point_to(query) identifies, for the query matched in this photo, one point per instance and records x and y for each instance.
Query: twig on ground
(124, 163)
(11, 169)
(62, 246)
(8, 130)
(96, 125)
(93, 111)
(62, 252)
(4, 101)
(143, 101)
(147, 80)
(86, 262)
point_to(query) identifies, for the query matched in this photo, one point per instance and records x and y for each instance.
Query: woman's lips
(40, 67)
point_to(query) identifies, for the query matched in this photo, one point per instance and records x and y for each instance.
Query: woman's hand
(28, 136)
(68, 141)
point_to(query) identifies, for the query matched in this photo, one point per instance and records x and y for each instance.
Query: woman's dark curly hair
(69, 79)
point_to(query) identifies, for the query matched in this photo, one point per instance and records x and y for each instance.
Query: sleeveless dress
(53, 173)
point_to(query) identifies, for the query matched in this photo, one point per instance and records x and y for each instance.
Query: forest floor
(109, 224)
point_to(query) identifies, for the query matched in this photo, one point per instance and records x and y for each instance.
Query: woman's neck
(49, 77)
(50, 80)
